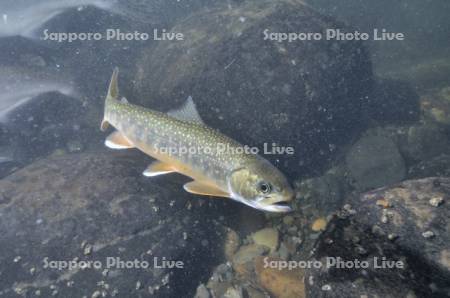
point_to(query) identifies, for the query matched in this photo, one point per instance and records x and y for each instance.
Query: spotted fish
(180, 142)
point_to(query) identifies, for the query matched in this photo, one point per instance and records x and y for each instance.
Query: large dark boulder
(305, 94)
(88, 207)
(406, 223)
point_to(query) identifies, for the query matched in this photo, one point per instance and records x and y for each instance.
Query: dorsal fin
(187, 112)
(113, 90)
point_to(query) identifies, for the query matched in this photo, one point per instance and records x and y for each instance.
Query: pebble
(292, 230)
(202, 292)
(319, 225)
(232, 242)
(385, 216)
(267, 237)
(361, 250)
(87, 249)
(383, 203)
(280, 283)
(165, 279)
(283, 252)
(288, 220)
(233, 292)
(74, 146)
(248, 253)
(436, 201)
(326, 288)
(392, 237)
(428, 234)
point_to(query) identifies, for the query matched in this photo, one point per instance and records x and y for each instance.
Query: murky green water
(347, 106)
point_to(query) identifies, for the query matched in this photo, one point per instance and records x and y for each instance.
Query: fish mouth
(281, 207)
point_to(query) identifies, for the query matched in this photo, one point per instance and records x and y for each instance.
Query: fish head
(261, 186)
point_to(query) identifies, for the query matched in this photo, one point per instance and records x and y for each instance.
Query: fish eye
(264, 187)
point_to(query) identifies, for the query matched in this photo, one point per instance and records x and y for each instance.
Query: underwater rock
(399, 249)
(243, 260)
(246, 254)
(425, 74)
(424, 142)
(417, 143)
(435, 105)
(393, 101)
(411, 215)
(202, 292)
(438, 166)
(95, 208)
(323, 194)
(232, 242)
(267, 237)
(319, 225)
(285, 283)
(308, 95)
(221, 280)
(46, 123)
(375, 161)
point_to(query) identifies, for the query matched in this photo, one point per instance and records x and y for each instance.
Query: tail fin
(113, 94)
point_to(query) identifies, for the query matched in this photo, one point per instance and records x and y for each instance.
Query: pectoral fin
(200, 188)
(158, 168)
(104, 126)
(116, 140)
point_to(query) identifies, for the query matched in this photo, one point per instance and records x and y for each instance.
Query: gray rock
(393, 101)
(375, 161)
(308, 95)
(202, 292)
(415, 234)
(425, 142)
(323, 194)
(437, 166)
(410, 215)
(95, 206)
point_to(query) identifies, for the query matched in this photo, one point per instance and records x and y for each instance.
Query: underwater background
(369, 122)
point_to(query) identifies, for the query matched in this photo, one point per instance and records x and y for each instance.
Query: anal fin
(116, 140)
(200, 188)
(157, 168)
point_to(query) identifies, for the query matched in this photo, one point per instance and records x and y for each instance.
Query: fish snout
(277, 203)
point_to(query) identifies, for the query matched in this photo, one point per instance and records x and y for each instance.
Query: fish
(232, 173)
(19, 85)
(26, 17)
